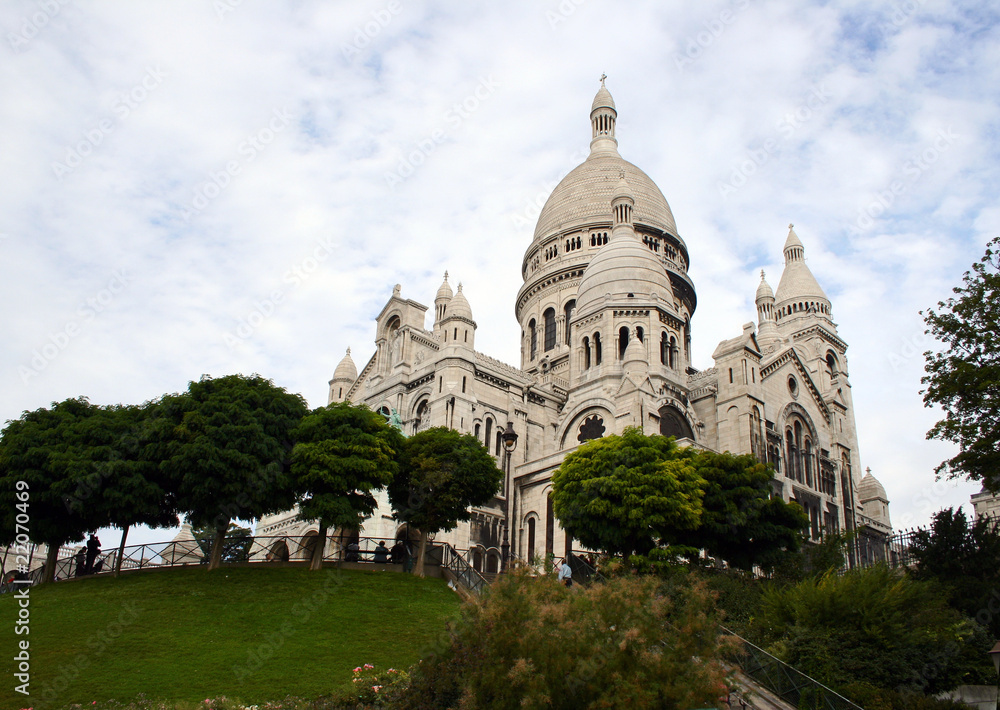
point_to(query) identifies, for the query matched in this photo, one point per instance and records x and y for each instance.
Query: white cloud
(890, 85)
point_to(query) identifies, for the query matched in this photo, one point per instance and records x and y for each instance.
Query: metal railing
(464, 573)
(791, 685)
(236, 550)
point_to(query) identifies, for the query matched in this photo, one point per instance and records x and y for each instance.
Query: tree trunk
(421, 550)
(121, 551)
(317, 558)
(220, 538)
(50, 564)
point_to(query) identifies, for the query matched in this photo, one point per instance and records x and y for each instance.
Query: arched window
(586, 353)
(477, 431)
(791, 453)
(808, 463)
(533, 334)
(597, 348)
(530, 552)
(664, 348)
(499, 442)
(639, 334)
(673, 352)
(568, 312)
(489, 431)
(757, 435)
(622, 342)
(673, 423)
(550, 328)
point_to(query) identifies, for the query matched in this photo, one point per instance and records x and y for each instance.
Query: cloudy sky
(225, 186)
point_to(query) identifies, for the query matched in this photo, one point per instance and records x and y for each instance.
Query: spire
(794, 251)
(767, 328)
(798, 292)
(603, 116)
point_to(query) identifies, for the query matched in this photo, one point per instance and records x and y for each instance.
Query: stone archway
(278, 552)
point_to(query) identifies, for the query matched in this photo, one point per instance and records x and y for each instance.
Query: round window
(793, 386)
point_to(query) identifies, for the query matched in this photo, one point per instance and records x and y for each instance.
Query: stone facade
(605, 312)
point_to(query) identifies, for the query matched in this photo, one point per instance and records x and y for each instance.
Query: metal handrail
(789, 684)
(464, 573)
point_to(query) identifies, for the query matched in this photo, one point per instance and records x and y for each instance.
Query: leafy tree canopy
(228, 450)
(964, 378)
(871, 625)
(53, 451)
(741, 522)
(962, 555)
(442, 473)
(342, 456)
(627, 494)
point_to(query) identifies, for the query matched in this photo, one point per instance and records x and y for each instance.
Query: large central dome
(583, 196)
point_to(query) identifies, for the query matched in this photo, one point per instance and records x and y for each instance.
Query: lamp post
(995, 655)
(509, 438)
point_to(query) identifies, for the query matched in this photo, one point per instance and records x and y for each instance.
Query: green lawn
(186, 634)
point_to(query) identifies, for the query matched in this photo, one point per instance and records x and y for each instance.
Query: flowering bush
(377, 689)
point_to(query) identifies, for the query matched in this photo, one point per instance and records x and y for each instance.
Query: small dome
(764, 291)
(603, 99)
(870, 489)
(459, 307)
(627, 270)
(444, 293)
(346, 370)
(622, 190)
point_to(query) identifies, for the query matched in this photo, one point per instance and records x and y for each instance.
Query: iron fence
(791, 685)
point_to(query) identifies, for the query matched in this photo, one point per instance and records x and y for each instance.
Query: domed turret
(343, 377)
(441, 301)
(767, 328)
(458, 326)
(460, 307)
(603, 116)
(625, 269)
(798, 291)
(635, 359)
(873, 499)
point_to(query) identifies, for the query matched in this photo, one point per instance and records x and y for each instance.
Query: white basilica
(605, 312)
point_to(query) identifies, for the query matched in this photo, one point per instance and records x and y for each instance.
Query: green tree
(343, 454)
(963, 556)
(873, 625)
(236, 547)
(44, 456)
(126, 486)
(964, 378)
(743, 522)
(627, 494)
(226, 445)
(441, 474)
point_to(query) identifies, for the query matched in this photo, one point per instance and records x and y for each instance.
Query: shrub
(531, 643)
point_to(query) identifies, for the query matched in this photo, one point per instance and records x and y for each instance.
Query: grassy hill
(187, 634)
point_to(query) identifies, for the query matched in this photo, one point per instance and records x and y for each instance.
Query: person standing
(93, 550)
(566, 573)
